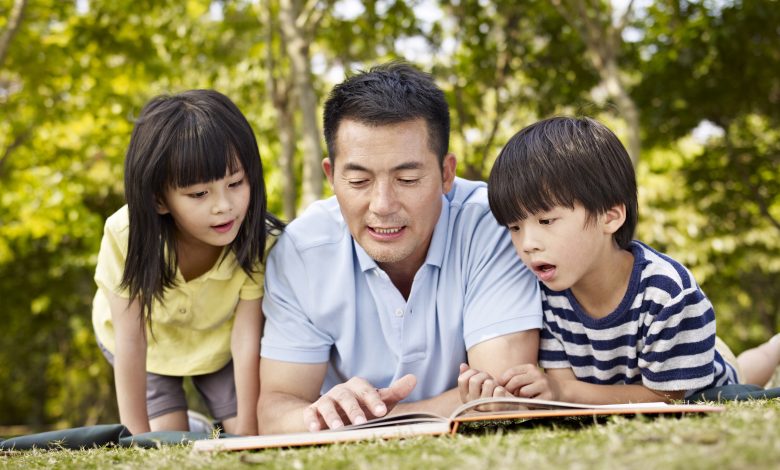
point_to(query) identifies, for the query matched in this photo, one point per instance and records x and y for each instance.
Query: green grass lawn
(746, 435)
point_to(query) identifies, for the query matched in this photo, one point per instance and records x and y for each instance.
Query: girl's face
(209, 213)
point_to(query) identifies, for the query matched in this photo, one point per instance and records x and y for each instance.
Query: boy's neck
(600, 292)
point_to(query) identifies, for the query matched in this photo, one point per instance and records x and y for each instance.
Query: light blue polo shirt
(326, 300)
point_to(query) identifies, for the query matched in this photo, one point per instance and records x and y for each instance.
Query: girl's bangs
(201, 153)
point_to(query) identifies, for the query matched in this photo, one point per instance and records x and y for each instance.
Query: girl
(179, 271)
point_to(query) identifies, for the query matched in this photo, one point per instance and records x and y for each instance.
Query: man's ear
(161, 207)
(327, 167)
(448, 172)
(614, 218)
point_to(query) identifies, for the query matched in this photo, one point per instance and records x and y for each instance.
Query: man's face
(389, 185)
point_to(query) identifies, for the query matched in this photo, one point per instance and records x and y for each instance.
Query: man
(378, 294)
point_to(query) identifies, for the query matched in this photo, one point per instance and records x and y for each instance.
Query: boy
(622, 322)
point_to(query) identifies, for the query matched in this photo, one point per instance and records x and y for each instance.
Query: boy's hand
(528, 381)
(473, 384)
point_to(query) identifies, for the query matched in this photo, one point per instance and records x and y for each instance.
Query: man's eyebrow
(408, 166)
(354, 167)
(399, 167)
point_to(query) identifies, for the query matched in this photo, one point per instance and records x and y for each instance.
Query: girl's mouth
(223, 228)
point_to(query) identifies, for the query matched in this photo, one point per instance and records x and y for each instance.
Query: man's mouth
(386, 231)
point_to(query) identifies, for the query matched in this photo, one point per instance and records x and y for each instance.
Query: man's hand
(528, 381)
(473, 384)
(355, 402)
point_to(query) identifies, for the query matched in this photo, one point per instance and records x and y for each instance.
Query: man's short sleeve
(289, 333)
(502, 296)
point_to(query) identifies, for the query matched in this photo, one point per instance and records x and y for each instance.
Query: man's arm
(286, 390)
(290, 400)
(490, 358)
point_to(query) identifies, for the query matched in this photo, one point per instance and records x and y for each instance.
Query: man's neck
(401, 276)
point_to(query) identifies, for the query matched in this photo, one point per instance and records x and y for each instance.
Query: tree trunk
(297, 46)
(279, 93)
(602, 40)
(14, 20)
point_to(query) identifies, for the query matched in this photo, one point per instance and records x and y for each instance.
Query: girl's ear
(161, 207)
(614, 218)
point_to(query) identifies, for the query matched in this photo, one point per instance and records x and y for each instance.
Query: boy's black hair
(180, 140)
(559, 162)
(390, 93)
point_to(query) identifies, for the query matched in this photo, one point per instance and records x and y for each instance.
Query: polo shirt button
(399, 312)
(182, 310)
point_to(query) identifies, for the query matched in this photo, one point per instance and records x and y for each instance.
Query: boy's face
(563, 248)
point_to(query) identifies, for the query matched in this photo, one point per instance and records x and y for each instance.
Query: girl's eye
(237, 183)
(198, 194)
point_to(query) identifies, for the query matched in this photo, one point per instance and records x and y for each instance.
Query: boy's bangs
(191, 159)
(512, 200)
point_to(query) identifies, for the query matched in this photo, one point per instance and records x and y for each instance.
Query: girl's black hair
(559, 162)
(180, 140)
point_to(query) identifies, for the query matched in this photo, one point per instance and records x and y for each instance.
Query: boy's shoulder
(654, 268)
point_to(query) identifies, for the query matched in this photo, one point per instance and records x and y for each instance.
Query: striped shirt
(662, 335)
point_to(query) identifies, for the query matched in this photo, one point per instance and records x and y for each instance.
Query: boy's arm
(129, 363)
(562, 385)
(245, 349)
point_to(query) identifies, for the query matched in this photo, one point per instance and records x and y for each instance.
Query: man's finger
(397, 391)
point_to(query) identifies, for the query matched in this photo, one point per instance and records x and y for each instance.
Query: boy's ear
(614, 218)
(161, 207)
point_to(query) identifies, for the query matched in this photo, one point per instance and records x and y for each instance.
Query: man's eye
(408, 180)
(357, 183)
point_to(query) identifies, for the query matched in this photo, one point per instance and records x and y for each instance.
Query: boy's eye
(513, 228)
(546, 221)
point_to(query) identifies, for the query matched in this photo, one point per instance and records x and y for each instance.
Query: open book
(418, 424)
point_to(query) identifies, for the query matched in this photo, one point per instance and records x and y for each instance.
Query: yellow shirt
(192, 327)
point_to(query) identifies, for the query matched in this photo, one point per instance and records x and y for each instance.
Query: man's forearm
(279, 413)
(443, 404)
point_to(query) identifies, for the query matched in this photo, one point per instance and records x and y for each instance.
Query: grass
(744, 436)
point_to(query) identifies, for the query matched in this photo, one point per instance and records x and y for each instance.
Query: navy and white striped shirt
(662, 335)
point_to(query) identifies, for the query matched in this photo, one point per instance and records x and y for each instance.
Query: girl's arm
(245, 348)
(129, 363)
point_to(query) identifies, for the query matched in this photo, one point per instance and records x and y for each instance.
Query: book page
(509, 404)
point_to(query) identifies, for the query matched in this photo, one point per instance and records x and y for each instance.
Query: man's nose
(384, 199)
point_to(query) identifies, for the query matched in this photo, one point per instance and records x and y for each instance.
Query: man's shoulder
(468, 193)
(321, 224)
